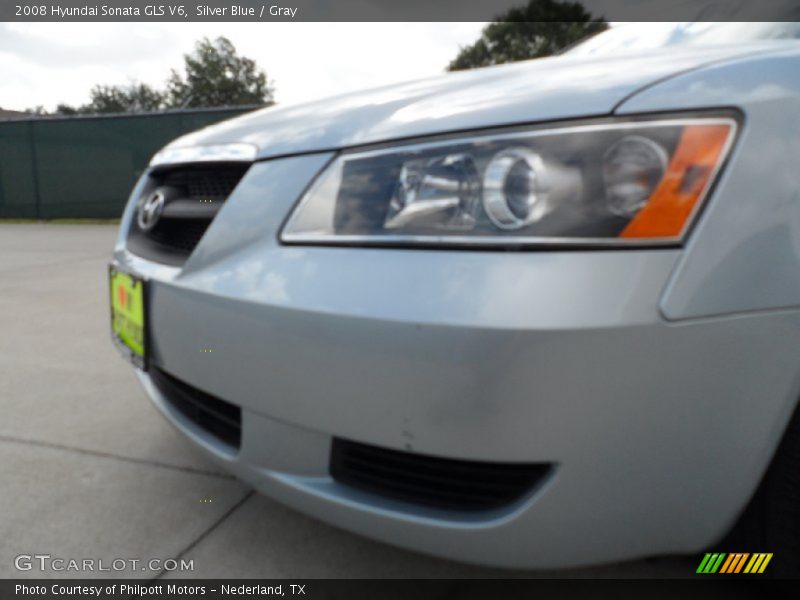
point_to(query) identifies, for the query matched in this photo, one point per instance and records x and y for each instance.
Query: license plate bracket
(129, 315)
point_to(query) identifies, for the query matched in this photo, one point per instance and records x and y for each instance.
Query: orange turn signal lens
(696, 160)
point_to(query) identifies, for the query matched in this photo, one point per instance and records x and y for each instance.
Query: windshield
(647, 36)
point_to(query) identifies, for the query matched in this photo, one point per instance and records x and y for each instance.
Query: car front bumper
(658, 431)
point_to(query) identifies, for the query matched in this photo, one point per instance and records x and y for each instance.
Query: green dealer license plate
(128, 316)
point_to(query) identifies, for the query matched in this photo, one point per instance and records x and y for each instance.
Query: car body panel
(745, 252)
(658, 399)
(417, 350)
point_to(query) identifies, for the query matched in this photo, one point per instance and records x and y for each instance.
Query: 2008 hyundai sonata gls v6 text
(536, 315)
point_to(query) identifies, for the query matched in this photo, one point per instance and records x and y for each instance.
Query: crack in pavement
(249, 494)
(100, 454)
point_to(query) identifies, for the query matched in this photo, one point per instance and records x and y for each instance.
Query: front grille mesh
(432, 481)
(180, 235)
(208, 183)
(194, 194)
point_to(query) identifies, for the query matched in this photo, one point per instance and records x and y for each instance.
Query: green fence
(84, 167)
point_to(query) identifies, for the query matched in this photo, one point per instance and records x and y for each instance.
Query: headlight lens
(632, 168)
(628, 182)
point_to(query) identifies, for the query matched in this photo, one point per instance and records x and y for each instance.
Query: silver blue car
(536, 315)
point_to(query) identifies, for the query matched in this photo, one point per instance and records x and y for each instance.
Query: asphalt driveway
(89, 470)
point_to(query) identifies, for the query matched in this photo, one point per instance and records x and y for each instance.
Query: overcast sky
(48, 63)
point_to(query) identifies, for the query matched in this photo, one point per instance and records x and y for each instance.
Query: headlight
(635, 182)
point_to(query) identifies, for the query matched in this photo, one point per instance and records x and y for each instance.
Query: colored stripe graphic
(726, 565)
(711, 563)
(754, 562)
(767, 558)
(703, 563)
(717, 563)
(740, 564)
(730, 564)
(734, 562)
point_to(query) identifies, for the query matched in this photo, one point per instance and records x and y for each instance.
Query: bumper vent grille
(193, 195)
(431, 481)
(220, 419)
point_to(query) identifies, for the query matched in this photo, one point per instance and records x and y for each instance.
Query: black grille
(205, 183)
(221, 419)
(194, 195)
(179, 235)
(432, 481)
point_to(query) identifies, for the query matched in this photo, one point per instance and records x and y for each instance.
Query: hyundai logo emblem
(150, 211)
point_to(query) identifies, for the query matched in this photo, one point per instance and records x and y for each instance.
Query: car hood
(537, 90)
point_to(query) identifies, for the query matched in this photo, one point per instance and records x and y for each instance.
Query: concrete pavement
(90, 470)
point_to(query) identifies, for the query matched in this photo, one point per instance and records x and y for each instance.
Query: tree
(215, 75)
(37, 110)
(541, 28)
(66, 109)
(134, 97)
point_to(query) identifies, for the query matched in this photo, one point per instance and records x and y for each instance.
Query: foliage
(134, 97)
(541, 28)
(214, 75)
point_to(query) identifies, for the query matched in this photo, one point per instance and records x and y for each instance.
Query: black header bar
(261, 11)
